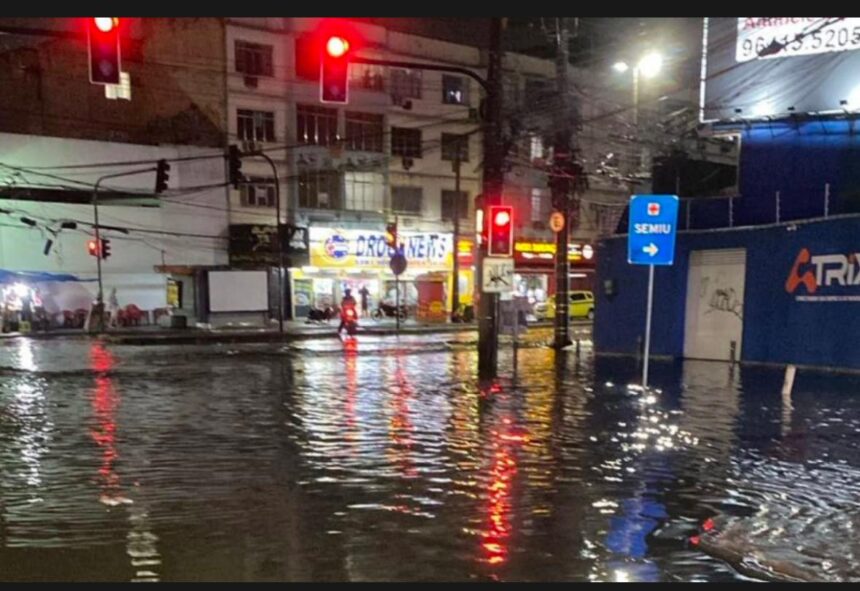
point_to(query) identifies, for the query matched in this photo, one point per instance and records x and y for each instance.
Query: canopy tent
(7, 276)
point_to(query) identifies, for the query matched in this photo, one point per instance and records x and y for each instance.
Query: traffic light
(501, 238)
(391, 235)
(161, 176)
(334, 82)
(235, 159)
(93, 248)
(105, 248)
(103, 35)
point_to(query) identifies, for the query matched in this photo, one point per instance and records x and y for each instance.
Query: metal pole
(777, 207)
(455, 285)
(561, 192)
(648, 326)
(280, 240)
(826, 199)
(636, 96)
(397, 282)
(488, 340)
(100, 296)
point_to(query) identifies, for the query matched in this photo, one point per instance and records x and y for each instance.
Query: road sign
(653, 225)
(397, 263)
(498, 275)
(556, 222)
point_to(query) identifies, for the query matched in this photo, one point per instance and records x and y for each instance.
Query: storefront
(255, 247)
(534, 266)
(357, 259)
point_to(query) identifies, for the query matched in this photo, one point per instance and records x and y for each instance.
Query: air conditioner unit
(251, 81)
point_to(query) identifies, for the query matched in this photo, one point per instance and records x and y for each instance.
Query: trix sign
(653, 223)
(811, 274)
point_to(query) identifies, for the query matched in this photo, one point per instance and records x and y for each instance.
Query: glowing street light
(650, 65)
(620, 67)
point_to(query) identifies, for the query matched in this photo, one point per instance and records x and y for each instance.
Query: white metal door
(715, 296)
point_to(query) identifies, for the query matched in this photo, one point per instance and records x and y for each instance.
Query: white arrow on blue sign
(653, 227)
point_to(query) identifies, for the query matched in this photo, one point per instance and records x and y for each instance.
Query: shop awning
(36, 277)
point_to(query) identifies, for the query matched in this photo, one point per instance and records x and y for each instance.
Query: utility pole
(455, 283)
(560, 184)
(488, 327)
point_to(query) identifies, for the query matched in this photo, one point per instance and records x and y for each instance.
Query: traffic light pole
(280, 238)
(99, 327)
(488, 327)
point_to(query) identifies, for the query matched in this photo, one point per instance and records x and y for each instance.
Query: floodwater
(384, 459)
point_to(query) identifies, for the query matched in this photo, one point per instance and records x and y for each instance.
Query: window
(539, 209)
(536, 149)
(255, 126)
(319, 189)
(454, 90)
(455, 201)
(578, 297)
(406, 200)
(364, 132)
(120, 91)
(451, 142)
(258, 192)
(365, 191)
(367, 77)
(307, 58)
(254, 59)
(406, 142)
(405, 83)
(316, 125)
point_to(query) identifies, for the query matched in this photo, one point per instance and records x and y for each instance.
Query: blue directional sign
(653, 224)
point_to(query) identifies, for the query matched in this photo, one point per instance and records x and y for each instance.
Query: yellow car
(581, 306)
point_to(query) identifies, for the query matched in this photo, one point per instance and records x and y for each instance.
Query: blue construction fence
(798, 308)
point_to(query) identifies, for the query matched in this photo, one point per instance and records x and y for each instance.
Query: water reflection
(141, 541)
(376, 461)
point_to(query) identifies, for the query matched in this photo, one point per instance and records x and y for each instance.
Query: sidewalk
(293, 330)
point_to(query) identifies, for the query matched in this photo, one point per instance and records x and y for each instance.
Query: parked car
(581, 306)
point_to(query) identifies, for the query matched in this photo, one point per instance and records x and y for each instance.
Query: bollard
(639, 346)
(733, 351)
(788, 383)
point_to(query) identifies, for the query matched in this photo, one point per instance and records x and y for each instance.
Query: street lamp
(648, 67)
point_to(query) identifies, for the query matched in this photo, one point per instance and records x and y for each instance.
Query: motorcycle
(319, 316)
(350, 319)
(389, 311)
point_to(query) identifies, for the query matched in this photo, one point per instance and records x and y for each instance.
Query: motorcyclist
(347, 302)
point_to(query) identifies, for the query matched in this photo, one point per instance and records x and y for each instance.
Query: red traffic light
(105, 24)
(336, 46)
(501, 234)
(502, 218)
(93, 248)
(104, 49)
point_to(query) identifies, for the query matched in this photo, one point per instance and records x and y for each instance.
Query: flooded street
(386, 460)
